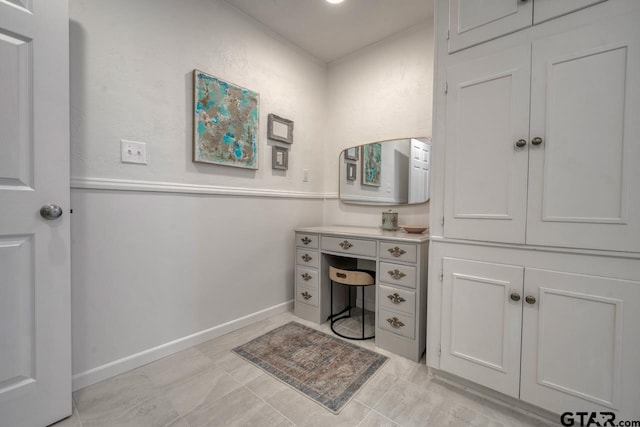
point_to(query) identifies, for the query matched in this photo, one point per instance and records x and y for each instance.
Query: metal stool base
(334, 319)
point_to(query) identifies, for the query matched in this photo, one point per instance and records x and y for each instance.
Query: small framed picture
(279, 129)
(351, 153)
(280, 158)
(351, 171)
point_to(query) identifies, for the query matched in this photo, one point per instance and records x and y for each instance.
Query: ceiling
(329, 31)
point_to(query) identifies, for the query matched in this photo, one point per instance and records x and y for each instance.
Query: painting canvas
(371, 164)
(225, 123)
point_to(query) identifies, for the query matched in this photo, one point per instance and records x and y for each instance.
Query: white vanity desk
(400, 261)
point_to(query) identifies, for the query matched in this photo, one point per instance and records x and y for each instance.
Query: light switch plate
(133, 152)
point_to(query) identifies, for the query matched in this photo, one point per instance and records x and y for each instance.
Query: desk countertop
(366, 232)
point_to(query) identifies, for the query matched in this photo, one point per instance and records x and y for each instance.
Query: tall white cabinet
(535, 215)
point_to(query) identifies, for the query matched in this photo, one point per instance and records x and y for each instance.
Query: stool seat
(355, 278)
(351, 277)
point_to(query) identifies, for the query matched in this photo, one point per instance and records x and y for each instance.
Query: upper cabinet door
(584, 179)
(486, 167)
(475, 21)
(549, 9)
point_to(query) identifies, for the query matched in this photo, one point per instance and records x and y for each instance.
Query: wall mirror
(393, 172)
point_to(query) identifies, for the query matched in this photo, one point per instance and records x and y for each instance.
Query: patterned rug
(326, 369)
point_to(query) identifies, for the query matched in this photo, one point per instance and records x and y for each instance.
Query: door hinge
(446, 88)
(441, 276)
(439, 350)
(442, 222)
(448, 34)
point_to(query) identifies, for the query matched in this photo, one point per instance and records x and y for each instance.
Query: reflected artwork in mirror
(394, 172)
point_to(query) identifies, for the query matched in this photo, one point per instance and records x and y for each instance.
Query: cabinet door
(548, 9)
(481, 323)
(584, 179)
(485, 173)
(578, 337)
(476, 21)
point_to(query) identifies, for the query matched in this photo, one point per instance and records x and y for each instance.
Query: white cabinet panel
(578, 337)
(547, 9)
(476, 21)
(481, 323)
(583, 183)
(486, 173)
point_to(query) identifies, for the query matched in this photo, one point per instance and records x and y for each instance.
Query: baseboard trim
(111, 369)
(174, 187)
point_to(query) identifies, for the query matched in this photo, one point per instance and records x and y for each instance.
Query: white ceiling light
(335, 1)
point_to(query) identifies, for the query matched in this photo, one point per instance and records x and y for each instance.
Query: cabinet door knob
(536, 141)
(530, 299)
(521, 143)
(515, 296)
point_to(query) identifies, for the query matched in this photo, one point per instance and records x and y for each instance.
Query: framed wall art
(279, 129)
(351, 171)
(225, 128)
(371, 164)
(279, 158)
(351, 153)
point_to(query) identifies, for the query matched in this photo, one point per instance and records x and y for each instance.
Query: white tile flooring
(208, 385)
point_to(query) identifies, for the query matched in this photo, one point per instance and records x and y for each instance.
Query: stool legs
(333, 316)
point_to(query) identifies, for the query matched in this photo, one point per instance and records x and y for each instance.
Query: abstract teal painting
(225, 123)
(371, 164)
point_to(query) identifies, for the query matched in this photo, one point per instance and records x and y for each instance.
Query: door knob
(536, 141)
(530, 299)
(515, 296)
(521, 143)
(51, 211)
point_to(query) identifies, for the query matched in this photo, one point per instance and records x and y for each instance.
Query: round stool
(358, 279)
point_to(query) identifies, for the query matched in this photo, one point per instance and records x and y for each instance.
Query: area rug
(326, 369)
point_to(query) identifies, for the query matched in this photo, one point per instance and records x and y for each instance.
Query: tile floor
(207, 385)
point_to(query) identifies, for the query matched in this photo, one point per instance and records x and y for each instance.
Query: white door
(486, 147)
(475, 21)
(578, 336)
(548, 9)
(419, 172)
(35, 350)
(481, 323)
(584, 179)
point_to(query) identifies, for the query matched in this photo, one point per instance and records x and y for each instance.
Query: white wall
(378, 93)
(170, 254)
(150, 268)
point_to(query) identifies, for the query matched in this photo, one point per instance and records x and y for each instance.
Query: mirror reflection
(393, 172)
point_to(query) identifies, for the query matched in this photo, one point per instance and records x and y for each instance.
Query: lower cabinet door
(580, 333)
(481, 323)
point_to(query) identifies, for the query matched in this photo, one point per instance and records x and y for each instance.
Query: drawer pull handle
(306, 295)
(396, 274)
(395, 323)
(396, 298)
(346, 245)
(306, 240)
(306, 258)
(396, 252)
(306, 276)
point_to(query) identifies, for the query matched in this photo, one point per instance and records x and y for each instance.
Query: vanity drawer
(398, 251)
(397, 323)
(349, 246)
(307, 295)
(397, 274)
(307, 277)
(397, 299)
(307, 258)
(307, 240)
